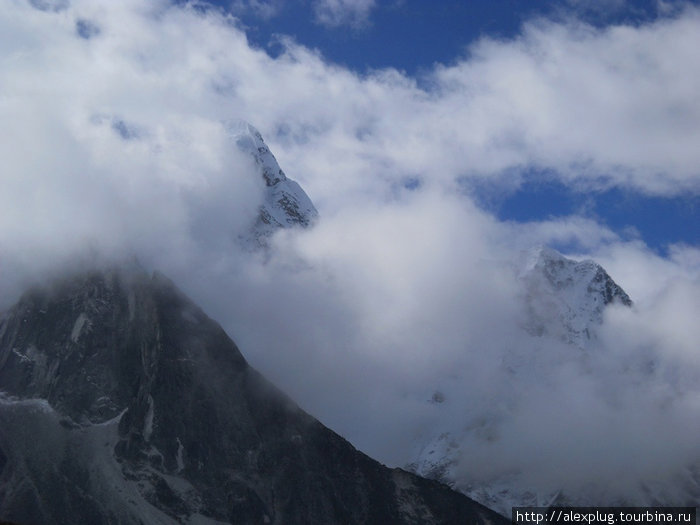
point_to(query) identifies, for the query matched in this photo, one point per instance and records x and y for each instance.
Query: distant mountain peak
(562, 300)
(564, 297)
(249, 140)
(286, 204)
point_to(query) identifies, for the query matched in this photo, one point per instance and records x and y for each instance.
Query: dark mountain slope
(124, 403)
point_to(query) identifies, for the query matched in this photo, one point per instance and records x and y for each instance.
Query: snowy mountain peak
(538, 256)
(562, 301)
(564, 297)
(285, 203)
(249, 140)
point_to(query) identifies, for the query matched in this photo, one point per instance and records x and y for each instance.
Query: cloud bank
(115, 140)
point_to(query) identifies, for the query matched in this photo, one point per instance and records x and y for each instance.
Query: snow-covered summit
(561, 301)
(563, 297)
(285, 203)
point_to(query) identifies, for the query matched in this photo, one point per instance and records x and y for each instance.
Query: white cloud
(116, 140)
(264, 9)
(645, 274)
(598, 107)
(335, 13)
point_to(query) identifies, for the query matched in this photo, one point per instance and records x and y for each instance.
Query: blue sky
(414, 35)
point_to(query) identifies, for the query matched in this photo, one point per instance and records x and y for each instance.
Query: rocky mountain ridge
(122, 402)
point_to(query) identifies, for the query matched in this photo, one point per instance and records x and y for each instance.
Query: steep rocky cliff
(124, 403)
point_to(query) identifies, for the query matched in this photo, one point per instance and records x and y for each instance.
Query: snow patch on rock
(179, 457)
(148, 421)
(78, 326)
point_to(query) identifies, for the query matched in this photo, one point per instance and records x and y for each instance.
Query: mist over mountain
(564, 305)
(397, 297)
(495, 386)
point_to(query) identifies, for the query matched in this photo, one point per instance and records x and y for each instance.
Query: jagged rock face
(124, 403)
(285, 205)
